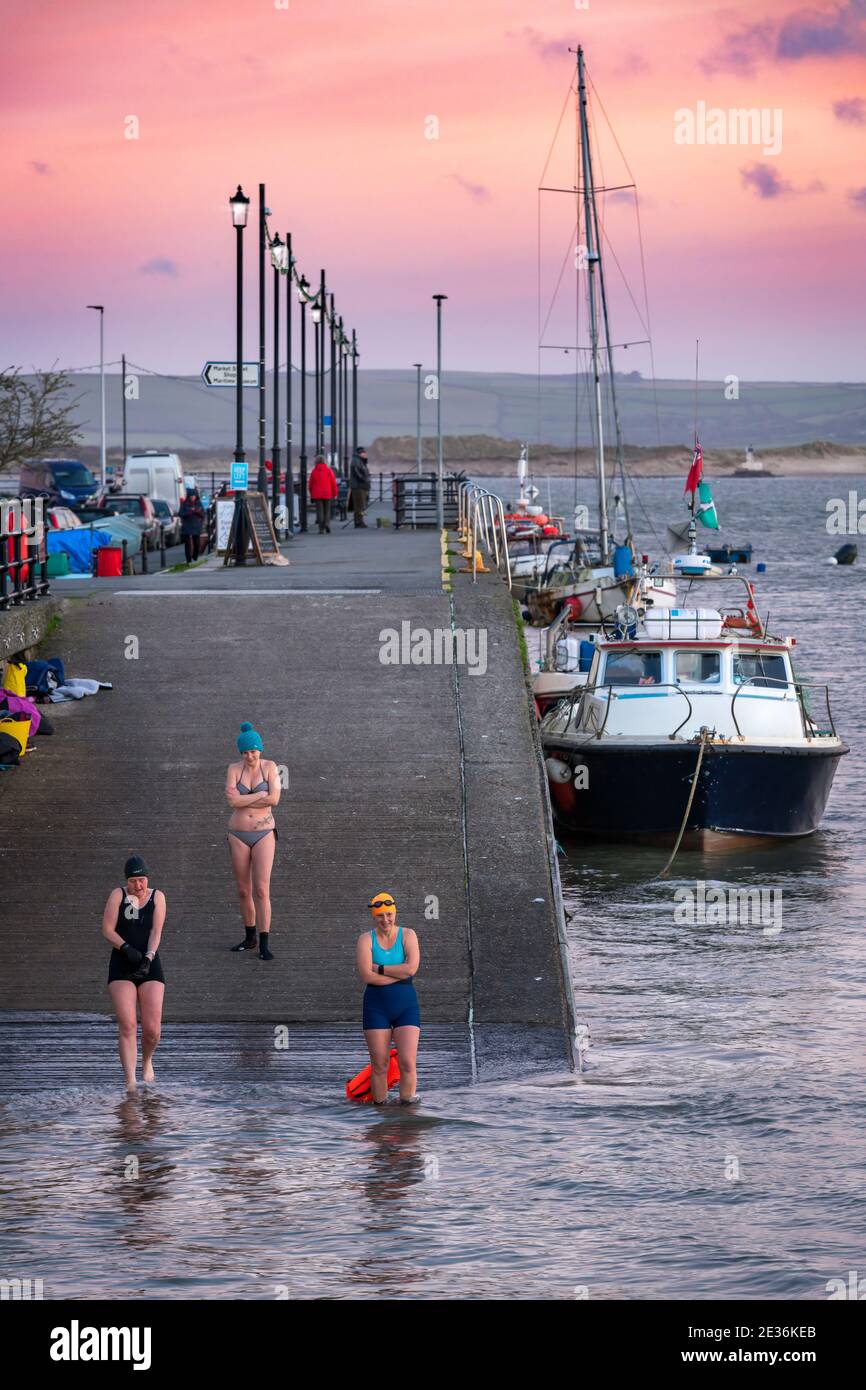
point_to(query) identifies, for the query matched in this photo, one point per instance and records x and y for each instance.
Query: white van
(154, 474)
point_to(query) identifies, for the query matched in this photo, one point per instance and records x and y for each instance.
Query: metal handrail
(605, 685)
(479, 504)
(547, 571)
(798, 687)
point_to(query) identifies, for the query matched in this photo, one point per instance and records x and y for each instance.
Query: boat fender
(560, 778)
(557, 770)
(574, 606)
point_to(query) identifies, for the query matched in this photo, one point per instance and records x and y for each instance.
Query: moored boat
(697, 718)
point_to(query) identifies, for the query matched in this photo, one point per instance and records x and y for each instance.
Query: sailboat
(595, 580)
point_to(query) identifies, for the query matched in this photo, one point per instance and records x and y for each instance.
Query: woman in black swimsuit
(133, 920)
(252, 789)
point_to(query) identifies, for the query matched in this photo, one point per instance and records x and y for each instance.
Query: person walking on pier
(191, 513)
(323, 490)
(252, 790)
(132, 922)
(387, 958)
(359, 482)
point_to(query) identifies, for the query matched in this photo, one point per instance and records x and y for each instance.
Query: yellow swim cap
(382, 902)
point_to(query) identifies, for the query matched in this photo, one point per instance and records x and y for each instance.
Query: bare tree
(36, 418)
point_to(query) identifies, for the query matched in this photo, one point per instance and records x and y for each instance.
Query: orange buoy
(359, 1087)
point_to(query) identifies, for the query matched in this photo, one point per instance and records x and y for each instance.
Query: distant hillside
(487, 456)
(184, 414)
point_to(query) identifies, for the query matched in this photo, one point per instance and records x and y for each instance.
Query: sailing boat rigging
(596, 584)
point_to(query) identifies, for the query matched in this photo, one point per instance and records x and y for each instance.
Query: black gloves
(140, 974)
(133, 958)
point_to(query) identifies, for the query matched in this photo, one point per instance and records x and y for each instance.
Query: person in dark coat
(191, 513)
(359, 484)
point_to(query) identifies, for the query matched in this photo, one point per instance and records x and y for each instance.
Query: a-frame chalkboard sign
(259, 527)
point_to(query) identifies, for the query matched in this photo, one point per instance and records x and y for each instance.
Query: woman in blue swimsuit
(387, 958)
(252, 790)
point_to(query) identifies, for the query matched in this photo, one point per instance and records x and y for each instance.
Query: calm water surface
(713, 1147)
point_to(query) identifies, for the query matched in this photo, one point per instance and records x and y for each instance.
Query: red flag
(695, 472)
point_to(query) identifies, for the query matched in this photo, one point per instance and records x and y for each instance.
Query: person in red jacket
(323, 490)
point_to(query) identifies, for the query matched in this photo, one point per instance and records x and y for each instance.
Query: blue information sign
(326, 420)
(240, 476)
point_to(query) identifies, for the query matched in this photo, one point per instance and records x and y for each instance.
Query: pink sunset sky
(327, 101)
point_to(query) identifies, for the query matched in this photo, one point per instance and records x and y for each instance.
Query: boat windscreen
(760, 669)
(699, 668)
(633, 668)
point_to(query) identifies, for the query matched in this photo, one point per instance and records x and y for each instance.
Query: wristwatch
(381, 969)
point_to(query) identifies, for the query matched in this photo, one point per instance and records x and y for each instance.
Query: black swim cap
(135, 867)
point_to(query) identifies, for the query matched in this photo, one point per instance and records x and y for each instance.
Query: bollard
(162, 547)
(125, 556)
(143, 556)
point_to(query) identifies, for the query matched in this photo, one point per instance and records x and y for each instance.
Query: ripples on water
(712, 1047)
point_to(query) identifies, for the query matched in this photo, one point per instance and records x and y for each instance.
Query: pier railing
(415, 497)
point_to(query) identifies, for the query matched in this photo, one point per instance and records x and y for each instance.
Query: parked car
(62, 519)
(155, 474)
(62, 482)
(168, 520)
(139, 509)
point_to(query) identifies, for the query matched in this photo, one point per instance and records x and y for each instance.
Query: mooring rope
(705, 738)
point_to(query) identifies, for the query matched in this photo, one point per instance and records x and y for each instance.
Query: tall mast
(610, 372)
(592, 258)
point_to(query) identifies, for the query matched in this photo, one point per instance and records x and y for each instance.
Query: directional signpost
(226, 374)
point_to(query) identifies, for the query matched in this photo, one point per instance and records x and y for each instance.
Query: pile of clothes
(25, 687)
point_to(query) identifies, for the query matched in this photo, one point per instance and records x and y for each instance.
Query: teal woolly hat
(248, 739)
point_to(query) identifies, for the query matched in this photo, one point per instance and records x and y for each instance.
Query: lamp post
(344, 405)
(338, 334)
(304, 298)
(123, 401)
(290, 477)
(100, 309)
(332, 323)
(318, 314)
(354, 392)
(262, 480)
(417, 366)
(278, 261)
(240, 206)
(440, 508)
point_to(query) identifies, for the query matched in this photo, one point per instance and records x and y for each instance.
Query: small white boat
(699, 703)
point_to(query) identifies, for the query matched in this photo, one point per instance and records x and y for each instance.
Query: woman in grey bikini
(252, 790)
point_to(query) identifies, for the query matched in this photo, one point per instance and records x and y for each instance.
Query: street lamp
(240, 206)
(440, 508)
(290, 479)
(264, 213)
(354, 393)
(304, 298)
(100, 309)
(318, 316)
(332, 325)
(344, 399)
(417, 366)
(279, 261)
